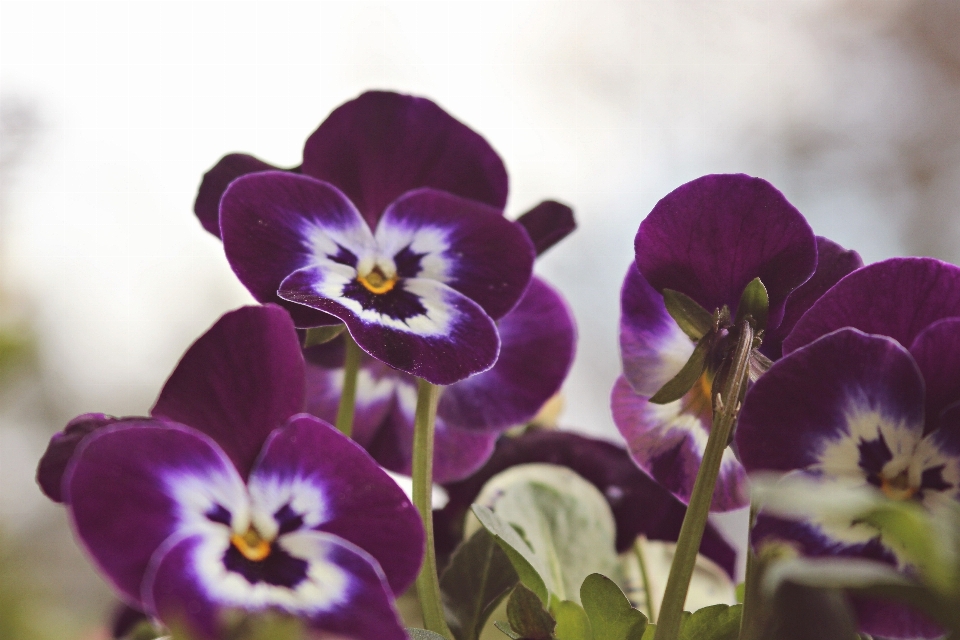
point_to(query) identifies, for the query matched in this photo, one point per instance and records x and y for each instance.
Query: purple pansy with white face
(229, 498)
(538, 338)
(708, 239)
(393, 225)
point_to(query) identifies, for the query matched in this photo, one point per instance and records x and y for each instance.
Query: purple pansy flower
(640, 505)
(228, 498)
(537, 344)
(393, 225)
(708, 239)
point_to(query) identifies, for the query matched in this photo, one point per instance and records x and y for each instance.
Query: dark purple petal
(464, 244)
(640, 505)
(874, 616)
(847, 389)
(125, 620)
(422, 327)
(381, 145)
(241, 380)
(899, 298)
(547, 224)
(274, 223)
(652, 345)
(936, 351)
(121, 491)
(667, 442)
(55, 459)
(361, 503)
(833, 263)
(537, 341)
(344, 594)
(215, 182)
(456, 452)
(710, 237)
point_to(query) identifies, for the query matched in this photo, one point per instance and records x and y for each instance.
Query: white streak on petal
(323, 241)
(197, 495)
(269, 494)
(432, 242)
(840, 457)
(650, 361)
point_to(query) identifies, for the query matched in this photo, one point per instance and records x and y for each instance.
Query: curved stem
(428, 584)
(726, 407)
(348, 396)
(642, 561)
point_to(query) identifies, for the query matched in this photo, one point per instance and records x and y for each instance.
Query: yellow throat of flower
(377, 282)
(251, 545)
(898, 488)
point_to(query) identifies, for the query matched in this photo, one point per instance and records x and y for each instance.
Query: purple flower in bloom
(393, 225)
(708, 239)
(228, 498)
(537, 344)
(868, 394)
(640, 506)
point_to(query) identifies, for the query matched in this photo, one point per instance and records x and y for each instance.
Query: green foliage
(718, 622)
(527, 565)
(694, 320)
(423, 634)
(609, 611)
(572, 621)
(679, 384)
(754, 303)
(322, 335)
(528, 619)
(477, 578)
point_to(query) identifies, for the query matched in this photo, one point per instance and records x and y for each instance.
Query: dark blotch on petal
(279, 568)
(932, 479)
(62, 445)
(219, 514)
(288, 519)
(547, 224)
(639, 504)
(873, 455)
(398, 303)
(408, 262)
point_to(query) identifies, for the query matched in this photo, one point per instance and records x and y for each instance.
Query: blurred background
(111, 112)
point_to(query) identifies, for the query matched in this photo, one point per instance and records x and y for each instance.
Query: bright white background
(846, 106)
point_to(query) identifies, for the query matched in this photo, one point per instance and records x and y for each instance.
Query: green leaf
(477, 578)
(677, 386)
(755, 303)
(527, 616)
(322, 335)
(649, 632)
(567, 525)
(528, 567)
(741, 592)
(610, 613)
(505, 629)
(423, 634)
(719, 622)
(572, 622)
(694, 320)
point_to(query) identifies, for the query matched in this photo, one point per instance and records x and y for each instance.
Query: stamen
(898, 488)
(251, 545)
(377, 282)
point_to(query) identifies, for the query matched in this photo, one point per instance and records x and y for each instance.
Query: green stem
(428, 584)
(726, 406)
(641, 560)
(750, 587)
(348, 397)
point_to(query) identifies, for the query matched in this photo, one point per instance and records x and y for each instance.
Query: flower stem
(428, 584)
(642, 562)
(726, 407)
(348, 396)
(750, 587)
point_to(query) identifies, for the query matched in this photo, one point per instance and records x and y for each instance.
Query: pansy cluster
(401, 329)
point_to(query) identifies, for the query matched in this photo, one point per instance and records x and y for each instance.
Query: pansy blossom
(537, 345)
(708, 240)
(229, 499)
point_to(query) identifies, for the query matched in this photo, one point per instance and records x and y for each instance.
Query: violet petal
(547, 224)
(421, 326)
(710, 237)
(62, 445)
(361, 503)
(122, 493)
(466, 245)
(936, 351)
(898, 297)
(238, 382)
(537, 340)
(828, 401)
(667, 442)
(833, 263)
(342, 581)
(639, 504)
(381, 145)
(215, 182)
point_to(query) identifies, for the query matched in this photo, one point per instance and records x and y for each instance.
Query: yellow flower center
(251, 545)
(377, 282)
(898, 488)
